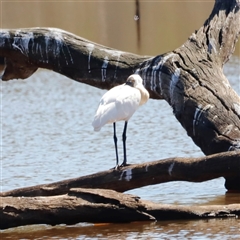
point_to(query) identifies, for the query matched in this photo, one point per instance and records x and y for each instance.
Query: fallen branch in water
(99, 205)
(139, 175)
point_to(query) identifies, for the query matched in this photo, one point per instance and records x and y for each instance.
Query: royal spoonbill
(119, 104)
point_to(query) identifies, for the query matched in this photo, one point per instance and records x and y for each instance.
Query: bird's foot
(124, 164)
(118, 167)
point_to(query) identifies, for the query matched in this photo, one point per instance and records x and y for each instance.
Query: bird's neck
(144, 95)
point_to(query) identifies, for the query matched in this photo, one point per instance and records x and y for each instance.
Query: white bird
(119, 104)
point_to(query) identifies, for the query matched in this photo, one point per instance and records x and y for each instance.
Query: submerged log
(99, 206)
(79, 205)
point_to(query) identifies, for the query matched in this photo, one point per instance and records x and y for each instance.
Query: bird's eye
(130, 83)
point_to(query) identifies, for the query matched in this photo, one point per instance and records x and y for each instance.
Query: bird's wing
(119, 103)
(112, 94)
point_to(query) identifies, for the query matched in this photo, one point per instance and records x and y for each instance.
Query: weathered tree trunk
(190, 79)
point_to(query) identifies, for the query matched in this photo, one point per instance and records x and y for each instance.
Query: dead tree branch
(140, 175)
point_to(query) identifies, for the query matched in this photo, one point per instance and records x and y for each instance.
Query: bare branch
(135, 176)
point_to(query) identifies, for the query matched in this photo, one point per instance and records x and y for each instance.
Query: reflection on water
(47, 136)
(220, 229)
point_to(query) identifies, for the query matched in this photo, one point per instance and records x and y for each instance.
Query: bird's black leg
(124, 144)
(115, 142)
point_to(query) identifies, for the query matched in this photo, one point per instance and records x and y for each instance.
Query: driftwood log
(140, 175)
(100, 205)
(88, 198)
(190, 79)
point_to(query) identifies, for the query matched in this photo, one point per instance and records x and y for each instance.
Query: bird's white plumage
(120, 102)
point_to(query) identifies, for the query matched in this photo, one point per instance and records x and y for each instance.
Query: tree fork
(190, 78)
